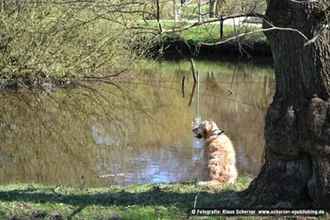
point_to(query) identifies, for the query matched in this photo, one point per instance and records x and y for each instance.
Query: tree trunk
(157, 10)
(212, 8)
(296, 172)
(199, 10)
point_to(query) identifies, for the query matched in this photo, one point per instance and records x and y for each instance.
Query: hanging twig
(158, 16)
(221, 27)
(194, 74)
(182, 86)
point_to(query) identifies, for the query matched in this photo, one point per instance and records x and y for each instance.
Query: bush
(59, 40)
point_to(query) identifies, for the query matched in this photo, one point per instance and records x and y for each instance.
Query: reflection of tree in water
(81, 133)
(49, 136)
(157, 122)
(140, 132)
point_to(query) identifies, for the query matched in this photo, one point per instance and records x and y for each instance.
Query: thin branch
(304, 2)
(182, 86)
(311, 41)
(257, 31)
(105, 77)
(210, 21)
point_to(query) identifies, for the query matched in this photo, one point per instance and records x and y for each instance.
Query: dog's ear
(207, 125)
(210, 128)
(214, 125)
(207, 128)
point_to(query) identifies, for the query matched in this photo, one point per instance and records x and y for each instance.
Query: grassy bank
(201, 41)
(162, 201)
(208, 33)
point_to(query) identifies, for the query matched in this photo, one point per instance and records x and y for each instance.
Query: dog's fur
(219, 154)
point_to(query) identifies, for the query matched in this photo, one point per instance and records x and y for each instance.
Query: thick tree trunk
(296, 173)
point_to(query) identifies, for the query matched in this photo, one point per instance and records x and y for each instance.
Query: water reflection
(99, 135)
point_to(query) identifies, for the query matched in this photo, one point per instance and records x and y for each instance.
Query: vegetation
(211, 33)
(162, 201)
(208, 33)
(43, 41)
(190, 9)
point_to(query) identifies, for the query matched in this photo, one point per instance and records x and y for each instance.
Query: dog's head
(205, 129)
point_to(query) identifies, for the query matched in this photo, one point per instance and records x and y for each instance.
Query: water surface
(138, 131)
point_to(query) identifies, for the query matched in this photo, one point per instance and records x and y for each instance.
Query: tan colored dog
(219, 154)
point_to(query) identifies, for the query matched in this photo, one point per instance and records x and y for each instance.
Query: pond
(135, 130)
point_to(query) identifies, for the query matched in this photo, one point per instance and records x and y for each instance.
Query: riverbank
(174, 48)
(205, 42)
(151, 201)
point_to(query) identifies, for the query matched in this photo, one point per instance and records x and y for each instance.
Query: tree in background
(212, 8)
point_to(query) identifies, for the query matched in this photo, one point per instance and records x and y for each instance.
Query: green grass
(209, 33)
(162, 201)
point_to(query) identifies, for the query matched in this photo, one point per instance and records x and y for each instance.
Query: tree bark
(296, 172)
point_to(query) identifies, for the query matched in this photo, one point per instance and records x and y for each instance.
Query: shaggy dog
(219, 153)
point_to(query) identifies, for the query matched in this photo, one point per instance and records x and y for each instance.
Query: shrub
(59, 40)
